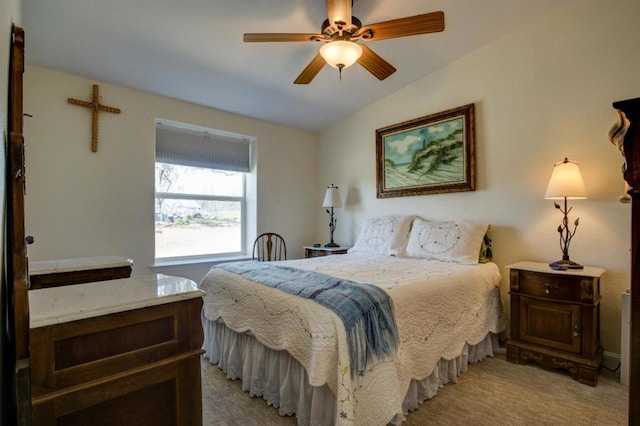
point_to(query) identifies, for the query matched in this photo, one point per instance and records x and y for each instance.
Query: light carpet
(492, 392)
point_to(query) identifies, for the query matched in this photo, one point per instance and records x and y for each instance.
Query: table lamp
(566, 184)
(331, 200)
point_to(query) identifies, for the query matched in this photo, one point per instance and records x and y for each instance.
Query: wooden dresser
(555, 318)
(54, 273)
(123, 352)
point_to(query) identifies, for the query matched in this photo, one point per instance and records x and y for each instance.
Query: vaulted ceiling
(193, 50)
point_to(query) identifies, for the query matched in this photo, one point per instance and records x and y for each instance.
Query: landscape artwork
(431, 154)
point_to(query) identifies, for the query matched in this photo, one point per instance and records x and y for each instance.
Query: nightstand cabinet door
(551, 324)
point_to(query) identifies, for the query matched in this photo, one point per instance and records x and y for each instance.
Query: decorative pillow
(486, 254)
(448, 241)
(383, 235)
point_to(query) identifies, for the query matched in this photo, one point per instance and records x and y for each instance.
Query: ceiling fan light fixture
(341, 53)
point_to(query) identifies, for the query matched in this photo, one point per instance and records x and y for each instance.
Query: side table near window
(555, 318)
(310, 251)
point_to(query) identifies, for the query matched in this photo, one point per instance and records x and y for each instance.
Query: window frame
(205, 197)
(189, 144)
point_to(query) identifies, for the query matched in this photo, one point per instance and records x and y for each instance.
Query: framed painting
(427, 155)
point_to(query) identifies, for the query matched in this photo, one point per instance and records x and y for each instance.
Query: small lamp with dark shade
(331, 200)
(566, 184)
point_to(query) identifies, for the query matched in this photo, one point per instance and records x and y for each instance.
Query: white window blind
(187, 147)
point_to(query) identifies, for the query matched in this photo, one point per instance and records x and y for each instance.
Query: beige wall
(542, 92)
(81, 203)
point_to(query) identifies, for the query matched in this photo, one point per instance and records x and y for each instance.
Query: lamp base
(565, 264)
(331, 245)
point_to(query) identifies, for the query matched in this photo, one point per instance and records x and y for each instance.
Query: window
(200, 193)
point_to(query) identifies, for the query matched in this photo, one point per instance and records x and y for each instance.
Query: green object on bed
(485, 250)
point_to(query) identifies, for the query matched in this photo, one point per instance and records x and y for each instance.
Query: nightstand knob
(548, 287)
(576, 329)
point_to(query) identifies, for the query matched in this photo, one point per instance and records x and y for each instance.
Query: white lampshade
(566, 181)
(341, 53)
(332, 197)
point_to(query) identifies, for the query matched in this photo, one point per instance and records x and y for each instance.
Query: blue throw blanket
(366, 310)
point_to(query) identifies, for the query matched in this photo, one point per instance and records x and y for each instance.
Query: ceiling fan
(341, 33)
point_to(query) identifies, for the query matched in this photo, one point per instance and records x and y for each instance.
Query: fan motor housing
(329, 30)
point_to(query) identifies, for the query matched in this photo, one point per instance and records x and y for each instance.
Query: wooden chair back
(269, 246)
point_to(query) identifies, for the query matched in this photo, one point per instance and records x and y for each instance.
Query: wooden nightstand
(555, 318)
(310, 251)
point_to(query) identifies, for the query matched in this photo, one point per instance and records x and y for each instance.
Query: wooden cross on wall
(95, 106)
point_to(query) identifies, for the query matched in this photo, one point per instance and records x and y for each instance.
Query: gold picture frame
(427, 155)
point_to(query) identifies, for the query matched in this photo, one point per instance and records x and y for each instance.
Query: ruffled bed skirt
(283, 383)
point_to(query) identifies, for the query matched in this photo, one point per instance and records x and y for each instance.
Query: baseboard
(610, 356)
(611, 361)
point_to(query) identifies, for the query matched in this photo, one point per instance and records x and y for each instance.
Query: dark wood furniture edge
(631, 110)
(15, 246)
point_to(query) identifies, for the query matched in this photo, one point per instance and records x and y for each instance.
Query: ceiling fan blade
(373, 63)
(270, 37)
(339, 11)
(311, 70)
(413, 25)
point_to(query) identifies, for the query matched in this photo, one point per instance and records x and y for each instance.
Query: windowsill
(159, 266)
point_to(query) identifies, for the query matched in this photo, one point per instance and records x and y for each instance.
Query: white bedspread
(439, 307)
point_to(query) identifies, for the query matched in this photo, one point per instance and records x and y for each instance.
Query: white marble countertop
(587, 271)
(57, 305)
(42, 267)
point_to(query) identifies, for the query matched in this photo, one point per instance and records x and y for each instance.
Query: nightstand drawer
(571, 288)
(556, 287)
(310, 251)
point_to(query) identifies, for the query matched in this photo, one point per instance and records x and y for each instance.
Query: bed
(297, 353)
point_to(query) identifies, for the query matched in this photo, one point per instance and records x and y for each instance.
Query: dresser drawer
(556, 286)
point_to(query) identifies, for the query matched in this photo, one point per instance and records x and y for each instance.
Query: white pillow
(383, 235)
(448, 241)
